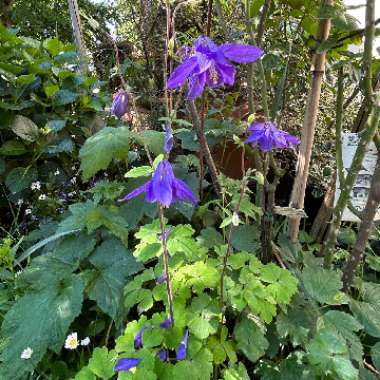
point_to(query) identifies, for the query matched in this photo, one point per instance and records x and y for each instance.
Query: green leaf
(368, 315)
(236, 372)
(19, 179)
(114, 264)
(100, 149)
(49, 312)
(26, 79)
(255, 8)
(375, 355)
(51, 89)
(210, 237)
(201, 327)
(323, 285)
(102, 363)
(85, 374)
(13, 148)
(328, 353)
(245, 238)
(56, 125)
(250, 339)
(64, 97)
(62, 145)
(154, 140)
(141, 171)
(53, 45)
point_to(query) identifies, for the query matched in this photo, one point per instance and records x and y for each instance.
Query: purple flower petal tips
(125, 364)
(182, 347)
(164, 187)
(138, 343)
(268, 137)
(161, 278)
(168, 146)
(120, 104)
(211, 64)
(163, 354)
(165, 234)
(166, 323)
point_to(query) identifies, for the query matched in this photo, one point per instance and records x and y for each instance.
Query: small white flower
(35, 185)
(96, 90)
(28, 211)
(73, 136)
(71, 194)
(85, 341)
(73, 167)
(235, 219)
(71, 342)
(18, 273)
(57, 172)
(27, 353)
(20, 202)
(42, 197)
(73, 180)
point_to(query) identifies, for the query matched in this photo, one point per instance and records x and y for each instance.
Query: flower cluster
(125, 364)
(268, 137)
(210, 65)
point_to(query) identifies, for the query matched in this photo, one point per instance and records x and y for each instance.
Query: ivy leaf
(250, 339)
(49, 312)
(102, 363)
(114, 264)
(100, 149)
(323, 285)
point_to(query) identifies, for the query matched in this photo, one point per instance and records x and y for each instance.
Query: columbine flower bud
(120, 104)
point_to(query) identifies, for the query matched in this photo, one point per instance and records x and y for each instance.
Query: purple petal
(136, 192)
(161, 278)
(163, 355)
(162, 183)
(182, 347)
(138, 343)
(205, 45)
(241, 53)
(166, 233)
(168, 146)
(196, 86)
(120, 104)
(166, 323)
(227, 72)
(183, 192)
(182, 72)
(125, 364)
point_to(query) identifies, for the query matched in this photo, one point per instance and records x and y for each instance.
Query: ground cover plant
(167, 180)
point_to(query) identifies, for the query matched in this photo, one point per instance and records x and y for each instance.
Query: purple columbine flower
(125, 364)
(166, 323)
(120, 104)
(268, 137)
(182, 347)
(210, 64)
(168, 146)
(163, 354)
(138, 343)
(164, 187)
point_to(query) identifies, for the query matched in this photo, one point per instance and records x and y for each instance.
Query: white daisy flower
(72, 342)
(85, 341)
(27, 353)
(42, 197)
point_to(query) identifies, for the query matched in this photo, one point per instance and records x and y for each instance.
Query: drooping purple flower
(168, 146)
(138, 343)
(161, 278)
(165, 234)
(210, 64)
(163, 354)
(163, 188)
(182, 347)
(166, 323)
(120, 104)
(125, 364)
(268, 137)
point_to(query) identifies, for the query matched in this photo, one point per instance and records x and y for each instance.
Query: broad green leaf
(55, 125)
(39, 320)
(60, 146)
(85, 374)
(250, 339)
(236, 372)
(245, 238)
(154, 140)
(102, 363)
(13, 148)
(323, 285)
(64, 97)
(375, 355)
(114, 264)
(368, 315)
(51, 89)
(26, 79)
(19, 179)
(201, 327)
(210, 237)
(328, 353)
(100, 149)
(140, 171)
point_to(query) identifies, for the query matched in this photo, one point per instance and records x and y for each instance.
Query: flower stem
(169, 288)
(204, 146)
